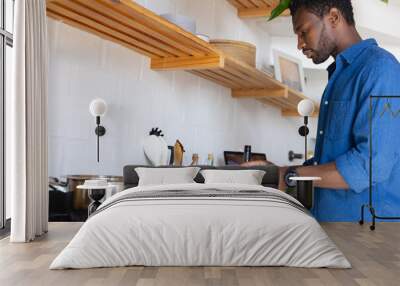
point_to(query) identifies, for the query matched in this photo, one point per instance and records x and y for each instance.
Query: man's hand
(331, 178)
(254, 163)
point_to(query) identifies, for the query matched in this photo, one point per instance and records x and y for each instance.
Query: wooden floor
(375, 257)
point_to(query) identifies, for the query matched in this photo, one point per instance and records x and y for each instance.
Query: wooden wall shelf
(172, 48)
(256, 8)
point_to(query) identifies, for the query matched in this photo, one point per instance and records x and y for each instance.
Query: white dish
(94, 184)
(305, 178)
(156, 150)
(203, 37)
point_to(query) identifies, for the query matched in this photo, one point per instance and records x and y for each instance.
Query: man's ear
(334, 17)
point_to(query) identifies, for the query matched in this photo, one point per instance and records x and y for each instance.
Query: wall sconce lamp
(98, 108)
(305, 108)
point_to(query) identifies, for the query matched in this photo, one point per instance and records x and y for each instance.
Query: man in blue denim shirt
(361, 69)
(326, 28)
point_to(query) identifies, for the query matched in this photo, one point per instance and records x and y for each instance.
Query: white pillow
(166, 176)
(247, 177)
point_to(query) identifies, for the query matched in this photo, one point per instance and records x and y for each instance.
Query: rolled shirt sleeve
(385, 117)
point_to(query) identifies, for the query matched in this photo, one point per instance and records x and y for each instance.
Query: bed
(199, 224)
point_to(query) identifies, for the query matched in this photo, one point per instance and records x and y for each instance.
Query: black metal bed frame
(370, 201)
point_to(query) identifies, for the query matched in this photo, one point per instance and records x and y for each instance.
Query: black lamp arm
(100, 131)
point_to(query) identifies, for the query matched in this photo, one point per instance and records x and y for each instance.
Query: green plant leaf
(283, 5)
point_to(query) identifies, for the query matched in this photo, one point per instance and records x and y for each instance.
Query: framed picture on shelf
(289, 70)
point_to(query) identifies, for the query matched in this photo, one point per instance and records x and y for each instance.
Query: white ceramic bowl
(184, 22)
(203, 37)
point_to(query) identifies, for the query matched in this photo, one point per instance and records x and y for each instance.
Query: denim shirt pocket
(338, 125)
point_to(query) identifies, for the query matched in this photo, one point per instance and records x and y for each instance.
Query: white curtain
(27, 123)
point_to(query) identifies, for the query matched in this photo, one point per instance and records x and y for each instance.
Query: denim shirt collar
(351, 53)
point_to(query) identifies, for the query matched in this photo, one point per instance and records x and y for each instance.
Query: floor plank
(375, 257)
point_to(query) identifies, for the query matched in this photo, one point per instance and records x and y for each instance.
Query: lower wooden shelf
(244, 80)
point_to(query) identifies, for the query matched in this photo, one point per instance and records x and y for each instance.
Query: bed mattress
(201, 225)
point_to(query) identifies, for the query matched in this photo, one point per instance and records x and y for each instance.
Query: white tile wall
(201, 114)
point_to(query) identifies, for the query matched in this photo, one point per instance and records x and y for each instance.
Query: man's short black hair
(322, 7)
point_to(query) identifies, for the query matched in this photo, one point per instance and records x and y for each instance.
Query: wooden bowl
(239, 50)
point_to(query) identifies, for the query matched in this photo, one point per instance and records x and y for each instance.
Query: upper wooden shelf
(256, 8)
(172, 48)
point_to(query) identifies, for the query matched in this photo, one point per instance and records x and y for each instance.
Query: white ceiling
(279, 27)
(394, 2)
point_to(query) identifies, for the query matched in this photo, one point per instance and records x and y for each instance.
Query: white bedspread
(200, 231)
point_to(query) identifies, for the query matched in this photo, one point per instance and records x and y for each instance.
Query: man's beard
(325, 48)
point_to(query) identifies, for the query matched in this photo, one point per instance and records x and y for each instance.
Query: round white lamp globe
(305, 107)
(98, 107)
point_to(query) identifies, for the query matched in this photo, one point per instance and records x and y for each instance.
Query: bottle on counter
(195, 159)
(247, 153)
(210, 159)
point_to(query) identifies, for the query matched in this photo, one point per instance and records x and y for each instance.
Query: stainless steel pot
(80, 200)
